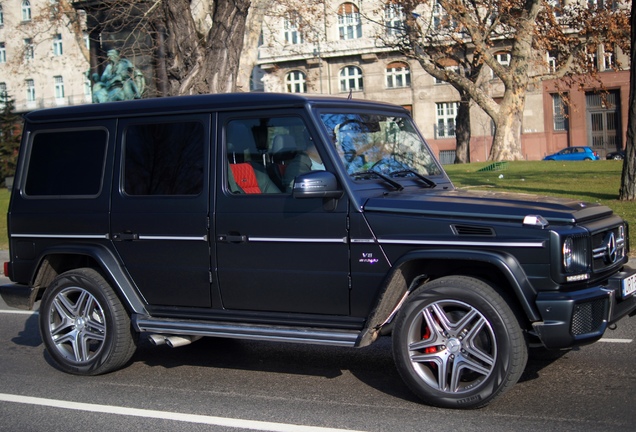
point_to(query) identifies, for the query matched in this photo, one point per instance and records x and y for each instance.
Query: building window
(393, 18)
(30, 90)
(26, 10)
(559, 113)
(1, 16)
(28, 49)
(398, 75)
(293, 35)
(349, 23)
(3, 53)
(59, 87)
(445, 116)
(552, 62)
(57, 45)
(351, 79)
(296, 82)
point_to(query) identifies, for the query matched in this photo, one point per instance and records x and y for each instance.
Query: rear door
(276, 253)
(159, 222)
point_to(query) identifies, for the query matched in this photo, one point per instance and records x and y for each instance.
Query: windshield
(387, 145)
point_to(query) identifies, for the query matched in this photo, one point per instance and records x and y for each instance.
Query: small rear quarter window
(66, 163)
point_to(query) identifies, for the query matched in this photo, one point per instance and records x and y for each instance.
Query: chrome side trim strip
(63, 236)
(297, 240)
(317, 336)
(182, 238)
(462, 243)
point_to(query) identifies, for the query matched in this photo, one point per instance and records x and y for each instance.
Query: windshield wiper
(425, 179)
(387, 179)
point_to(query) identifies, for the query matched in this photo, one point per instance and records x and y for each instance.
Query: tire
(84, 326)
(457, 344)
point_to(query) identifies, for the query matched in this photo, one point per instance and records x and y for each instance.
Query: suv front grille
(608, 248)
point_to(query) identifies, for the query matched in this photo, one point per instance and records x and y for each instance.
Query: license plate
(629, 286)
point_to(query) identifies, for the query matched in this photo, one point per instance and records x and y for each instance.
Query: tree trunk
(196, 63)
(628, 177)
(506, 145)
(462, 130)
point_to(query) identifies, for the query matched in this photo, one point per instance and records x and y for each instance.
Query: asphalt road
(227, 385)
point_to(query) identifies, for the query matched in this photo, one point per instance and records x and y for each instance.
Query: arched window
(26, 10)
(296, 82)
(349, 24)
(351, 79)
(398, 75)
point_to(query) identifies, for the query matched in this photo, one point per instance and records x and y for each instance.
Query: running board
(309, 335)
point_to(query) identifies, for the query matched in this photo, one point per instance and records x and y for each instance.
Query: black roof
(184, 104)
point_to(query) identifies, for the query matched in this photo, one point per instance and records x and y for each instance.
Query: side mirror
(316, 184)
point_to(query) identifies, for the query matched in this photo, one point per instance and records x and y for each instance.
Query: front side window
(386, 144)
(349, 24)
(398, 75)
(296, 82)
(68, 163)
(265, 154)
(351, 79)
(445, 115)
(164, 158)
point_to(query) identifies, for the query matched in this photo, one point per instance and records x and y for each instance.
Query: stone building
(42, 63)
(341, 51)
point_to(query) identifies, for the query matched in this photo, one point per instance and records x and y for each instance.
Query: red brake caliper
(426, 335)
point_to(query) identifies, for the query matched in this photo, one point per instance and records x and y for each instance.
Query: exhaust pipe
(156, 339)
(172, 341)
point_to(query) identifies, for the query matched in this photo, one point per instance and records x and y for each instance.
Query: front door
(274, 252)
(159, 222)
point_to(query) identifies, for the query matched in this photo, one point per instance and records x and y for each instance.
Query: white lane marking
(18, 312)
(166, 415)
(610, 340)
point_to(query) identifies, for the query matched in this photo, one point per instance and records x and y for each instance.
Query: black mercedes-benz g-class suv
(300, 219)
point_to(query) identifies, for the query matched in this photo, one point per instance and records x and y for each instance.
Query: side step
(317, 336)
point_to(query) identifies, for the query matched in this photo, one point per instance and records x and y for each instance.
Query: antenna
(350, 94)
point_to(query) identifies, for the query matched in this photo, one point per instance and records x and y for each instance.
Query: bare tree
(628, 177)
(525, 32)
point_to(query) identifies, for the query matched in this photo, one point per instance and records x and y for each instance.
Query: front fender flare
(398, 285)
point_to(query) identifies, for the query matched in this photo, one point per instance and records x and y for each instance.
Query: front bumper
(581, 317)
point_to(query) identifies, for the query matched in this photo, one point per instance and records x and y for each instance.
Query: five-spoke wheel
(457, 343)
(84, 326)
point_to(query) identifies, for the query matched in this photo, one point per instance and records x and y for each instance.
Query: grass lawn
(592, 181)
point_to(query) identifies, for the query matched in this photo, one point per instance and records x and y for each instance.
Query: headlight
(568, 254)
(575, 256)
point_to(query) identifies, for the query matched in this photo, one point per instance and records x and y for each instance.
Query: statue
(119, 81)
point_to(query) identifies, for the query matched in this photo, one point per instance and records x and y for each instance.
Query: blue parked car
(573, 154)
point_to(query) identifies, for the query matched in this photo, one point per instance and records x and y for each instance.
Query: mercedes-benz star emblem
(610, 248)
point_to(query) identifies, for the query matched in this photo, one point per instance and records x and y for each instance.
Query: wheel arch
(499, 269)
(57, 260)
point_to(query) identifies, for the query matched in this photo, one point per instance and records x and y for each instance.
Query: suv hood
(487, 205)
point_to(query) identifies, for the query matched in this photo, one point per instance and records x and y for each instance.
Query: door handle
(232, 238)
(125, 236)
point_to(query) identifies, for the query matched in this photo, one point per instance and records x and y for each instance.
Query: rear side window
(66, 163)
(164, 159)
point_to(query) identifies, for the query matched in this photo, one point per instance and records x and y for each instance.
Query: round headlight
(568, 254)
